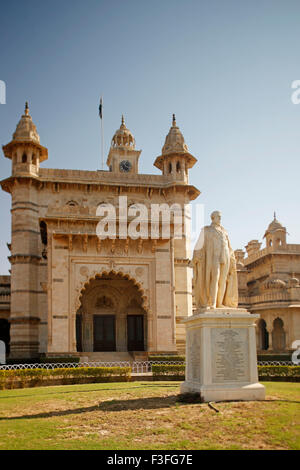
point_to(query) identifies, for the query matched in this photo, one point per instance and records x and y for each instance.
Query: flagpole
(102, 132)
(102, 144)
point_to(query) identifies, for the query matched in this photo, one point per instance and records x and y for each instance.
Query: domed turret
(122, 157)
(26, 130)
(123, 138)
(25, 149)
(175, 159)
(275, 234)
(174, 142)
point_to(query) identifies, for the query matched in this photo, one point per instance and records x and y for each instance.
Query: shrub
(35, 377)
(263, 371)
(60, 360)
(279, 371)
(168, 369)
(167, 358)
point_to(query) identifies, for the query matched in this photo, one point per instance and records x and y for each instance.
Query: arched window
(278, 335)
(178, 167)
(170, 167)
(43, 230)
(24, 158)
(270, 243)
(263, 336)
(4, 333)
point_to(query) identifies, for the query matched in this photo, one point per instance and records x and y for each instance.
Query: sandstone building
(72, 292)
(269, 285)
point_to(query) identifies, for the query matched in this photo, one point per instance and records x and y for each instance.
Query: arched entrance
(4, 333)
(278, 335)
(111, 316)
(263, 336)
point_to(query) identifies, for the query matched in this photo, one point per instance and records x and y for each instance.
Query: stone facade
(68, 286)
(269, 286)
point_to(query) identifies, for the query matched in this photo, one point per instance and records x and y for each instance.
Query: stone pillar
(25, 257)
(221, 356)
(121, 332)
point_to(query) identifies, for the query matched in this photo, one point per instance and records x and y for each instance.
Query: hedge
(167, 358)
(22, 378)
(274, 357)
(168, 369)
(263, 371)
(279, 371)
(45, 360)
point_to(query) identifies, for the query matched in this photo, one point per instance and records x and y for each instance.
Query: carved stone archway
(112, 310)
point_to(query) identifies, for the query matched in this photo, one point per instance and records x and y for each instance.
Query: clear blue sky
(224, 67)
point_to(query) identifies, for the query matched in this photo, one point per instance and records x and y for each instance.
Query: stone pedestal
(221, 356)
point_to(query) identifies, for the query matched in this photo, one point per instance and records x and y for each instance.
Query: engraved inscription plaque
(194, 355)
(230, 355)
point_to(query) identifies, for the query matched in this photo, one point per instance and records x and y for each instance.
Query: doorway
(135, 332)
(104, 333)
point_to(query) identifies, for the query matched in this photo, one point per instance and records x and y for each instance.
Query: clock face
(125, 166)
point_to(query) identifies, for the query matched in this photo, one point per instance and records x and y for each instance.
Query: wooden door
(104, 333)
(135, 332)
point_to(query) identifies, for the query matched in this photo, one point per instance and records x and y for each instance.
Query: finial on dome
(122, 120)
(26, 109)
(274, 215)
(174, 120)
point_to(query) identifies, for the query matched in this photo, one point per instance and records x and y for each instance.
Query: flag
(100, 108)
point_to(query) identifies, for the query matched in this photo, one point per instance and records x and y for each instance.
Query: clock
(125, 166)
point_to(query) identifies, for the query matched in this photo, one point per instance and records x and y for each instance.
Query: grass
(145, 415)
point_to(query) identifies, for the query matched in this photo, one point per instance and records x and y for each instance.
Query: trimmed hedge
(167, 358)
(60, 360)
(279, 371)
(263, 371)
(22, 378)
(45, 360)
(274, 357)
(171, 369)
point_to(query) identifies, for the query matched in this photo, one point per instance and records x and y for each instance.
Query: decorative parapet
(281, 297)
(288, 249)
(101, 177)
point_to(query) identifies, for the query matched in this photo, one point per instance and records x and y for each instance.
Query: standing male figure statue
(215, 277)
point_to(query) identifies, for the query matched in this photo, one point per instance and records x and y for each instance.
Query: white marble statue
(215, 278)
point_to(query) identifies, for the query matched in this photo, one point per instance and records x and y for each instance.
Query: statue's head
(216, 217)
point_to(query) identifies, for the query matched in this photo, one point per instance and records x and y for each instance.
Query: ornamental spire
(26, 109)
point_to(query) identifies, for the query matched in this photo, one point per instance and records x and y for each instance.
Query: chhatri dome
(174, 142)
(123, 138)
(175, 148)
(26, 130)
(24, 138)
(275, 226)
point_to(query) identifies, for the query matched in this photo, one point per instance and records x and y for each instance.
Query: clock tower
(122, 157)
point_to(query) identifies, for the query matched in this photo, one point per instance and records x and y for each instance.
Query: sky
(225, 68)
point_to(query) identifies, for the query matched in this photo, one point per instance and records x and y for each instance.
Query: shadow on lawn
(110, 405)
(56, 392)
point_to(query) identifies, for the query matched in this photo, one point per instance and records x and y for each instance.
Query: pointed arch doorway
(111, 316)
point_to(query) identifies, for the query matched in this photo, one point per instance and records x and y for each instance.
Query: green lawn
(145, 415)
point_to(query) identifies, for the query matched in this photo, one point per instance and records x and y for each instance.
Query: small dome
(26, 130)
(274, 226)
(123, 138)
(174, 141)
